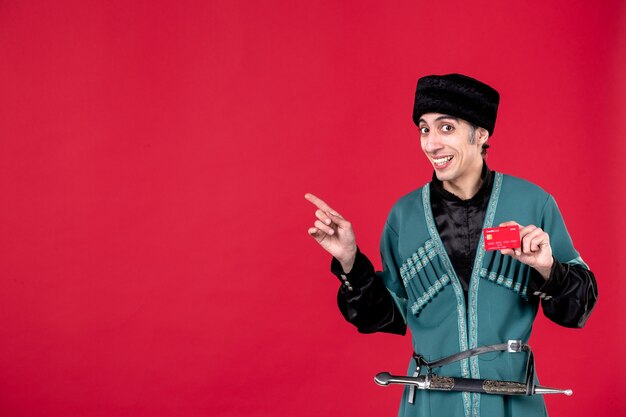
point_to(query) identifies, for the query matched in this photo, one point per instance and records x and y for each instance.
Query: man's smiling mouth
(443, 160)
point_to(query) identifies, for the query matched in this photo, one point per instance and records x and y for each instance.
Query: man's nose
(433, 143)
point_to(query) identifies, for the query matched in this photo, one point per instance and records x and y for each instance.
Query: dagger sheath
(483, 386)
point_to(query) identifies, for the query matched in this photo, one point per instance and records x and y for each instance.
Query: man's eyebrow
(445, 116)
(442, 117)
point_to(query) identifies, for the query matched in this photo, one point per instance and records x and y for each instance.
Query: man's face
(452, 146)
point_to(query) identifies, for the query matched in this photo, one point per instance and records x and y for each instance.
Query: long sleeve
(569, 294)
(571, 291)
(364, 300)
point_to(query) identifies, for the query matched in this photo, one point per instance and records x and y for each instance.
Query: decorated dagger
(483, 386)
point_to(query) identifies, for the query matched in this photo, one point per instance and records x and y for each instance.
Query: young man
(438, 279)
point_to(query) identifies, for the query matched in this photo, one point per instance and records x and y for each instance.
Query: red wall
(154, 155)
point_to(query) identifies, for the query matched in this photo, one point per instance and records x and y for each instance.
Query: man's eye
(424, 130)
(447, 128)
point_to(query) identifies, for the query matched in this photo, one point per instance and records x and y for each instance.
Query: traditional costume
(450, 292)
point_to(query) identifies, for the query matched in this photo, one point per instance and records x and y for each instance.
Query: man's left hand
(535, 250)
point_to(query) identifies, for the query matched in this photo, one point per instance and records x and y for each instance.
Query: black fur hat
(459, 96)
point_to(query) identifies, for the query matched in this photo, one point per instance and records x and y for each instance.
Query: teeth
(443, 160)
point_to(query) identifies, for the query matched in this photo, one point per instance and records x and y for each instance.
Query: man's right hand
(333, 233)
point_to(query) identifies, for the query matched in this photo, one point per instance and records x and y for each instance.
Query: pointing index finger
(319, 203)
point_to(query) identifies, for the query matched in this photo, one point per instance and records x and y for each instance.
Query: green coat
(419, 275)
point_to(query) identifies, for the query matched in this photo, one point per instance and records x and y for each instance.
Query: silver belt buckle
(513, 346)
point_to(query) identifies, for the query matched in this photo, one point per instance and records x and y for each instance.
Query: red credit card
(497, 238)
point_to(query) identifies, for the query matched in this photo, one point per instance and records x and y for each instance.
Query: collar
(486, 175)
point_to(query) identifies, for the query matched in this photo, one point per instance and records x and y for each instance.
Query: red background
(154, 259)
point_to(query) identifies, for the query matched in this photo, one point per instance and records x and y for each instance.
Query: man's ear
(481, 135)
